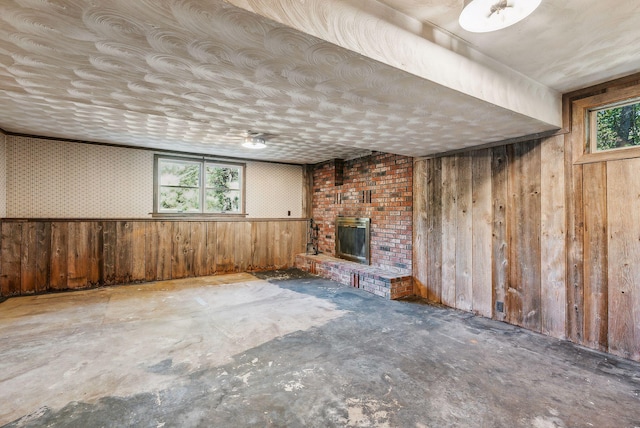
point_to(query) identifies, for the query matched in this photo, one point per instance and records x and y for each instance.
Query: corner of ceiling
(381, 33)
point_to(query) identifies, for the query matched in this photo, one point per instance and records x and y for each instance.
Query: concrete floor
(291, 350)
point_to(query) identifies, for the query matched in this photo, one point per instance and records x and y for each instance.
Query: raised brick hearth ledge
(382, 282)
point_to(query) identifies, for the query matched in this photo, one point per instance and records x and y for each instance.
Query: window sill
(609, 155)
(197, 216)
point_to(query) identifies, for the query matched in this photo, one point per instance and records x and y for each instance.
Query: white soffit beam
(381, 33)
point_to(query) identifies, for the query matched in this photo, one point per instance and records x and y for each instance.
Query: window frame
(592, 123)
(583, 127)
(202, 188)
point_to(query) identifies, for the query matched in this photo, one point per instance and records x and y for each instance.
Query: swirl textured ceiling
(192, 76)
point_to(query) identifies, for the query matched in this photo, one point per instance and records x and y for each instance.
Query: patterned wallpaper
(55, 179)
(273, 190)
(48, 178)
(3, 175)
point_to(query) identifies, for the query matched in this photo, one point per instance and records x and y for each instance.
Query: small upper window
(615, 126)
(198, 186)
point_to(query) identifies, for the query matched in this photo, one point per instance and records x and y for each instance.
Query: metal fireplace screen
(352, 239)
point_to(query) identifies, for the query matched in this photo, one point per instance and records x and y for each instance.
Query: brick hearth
(379, 187)
(391, 284)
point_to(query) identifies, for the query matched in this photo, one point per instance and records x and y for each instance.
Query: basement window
(197, 186)
(615, 126)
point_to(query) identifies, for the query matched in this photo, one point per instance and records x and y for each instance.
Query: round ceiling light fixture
(482, 16)
(254, 142)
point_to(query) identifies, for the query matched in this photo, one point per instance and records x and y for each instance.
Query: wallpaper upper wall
(273, 190)
(3, 175)
(55, 179)
(58, 179)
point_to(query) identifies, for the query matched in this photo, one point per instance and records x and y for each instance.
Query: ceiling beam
(384, 34)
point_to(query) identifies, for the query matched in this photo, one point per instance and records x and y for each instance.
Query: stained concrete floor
(290, 349)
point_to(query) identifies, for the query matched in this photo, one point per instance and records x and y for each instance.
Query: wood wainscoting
(50, 255)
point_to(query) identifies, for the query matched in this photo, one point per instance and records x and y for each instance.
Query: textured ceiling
(564, 44)
(192, 76)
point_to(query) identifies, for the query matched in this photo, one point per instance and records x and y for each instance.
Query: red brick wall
(390, 180)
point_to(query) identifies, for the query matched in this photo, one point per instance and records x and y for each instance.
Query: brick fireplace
(352, 239)
(379, 187)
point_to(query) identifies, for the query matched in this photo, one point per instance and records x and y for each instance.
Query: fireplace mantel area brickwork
(379, 187)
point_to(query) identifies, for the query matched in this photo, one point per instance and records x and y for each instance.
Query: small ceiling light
(254, 142)
(481, 16)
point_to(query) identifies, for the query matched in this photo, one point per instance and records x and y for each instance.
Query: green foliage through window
(618, 127)
(223, 188)
(180, 188)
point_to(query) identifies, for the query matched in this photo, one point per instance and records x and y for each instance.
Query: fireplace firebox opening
(352, 239)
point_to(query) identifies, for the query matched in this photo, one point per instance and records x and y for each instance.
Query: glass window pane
(179, 173)
(222, 177)
(179, 199)
(222, 200)
(618, 127)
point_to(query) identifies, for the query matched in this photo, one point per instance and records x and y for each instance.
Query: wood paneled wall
(484, 228)
(523, 228)
(38, 256)
(603, 194)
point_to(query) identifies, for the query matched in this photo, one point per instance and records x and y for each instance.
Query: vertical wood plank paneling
(95, 255)
(164, 229)
(242, 245)
(10, 280)
(199, 247)
(138, 246)
(275, 254)
(283, 245)
(28, 254)
(500, 250)
(464, 233)
(295, 239)
(260, 246)
(420, 227)
(212, 243)
(299, 240)
(449, 229)
(575, 255)
(78, 260)
(124, 259)
(574, 149)
(623, 200)
(109, 251)
(482, 228)
(595, 254)
(40, 255)
(434, 230)
(43, 257)
(307, 192)
(514, 296)
(224, 247)
(152, 250)
(523, 296)
(59, 251)
(553, 237)
(182, 259)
